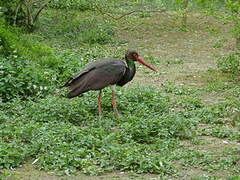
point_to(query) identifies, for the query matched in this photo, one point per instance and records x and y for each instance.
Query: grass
(178, 124)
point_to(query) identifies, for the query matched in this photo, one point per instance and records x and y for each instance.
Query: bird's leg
(100, 103)
(114, 104)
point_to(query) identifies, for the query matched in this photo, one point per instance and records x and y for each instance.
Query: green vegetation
(180, 123)
(230, 64)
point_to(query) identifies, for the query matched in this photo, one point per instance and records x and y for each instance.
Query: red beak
(140, 60)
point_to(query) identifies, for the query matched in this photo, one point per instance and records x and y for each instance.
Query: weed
(67, 139)
(176, 61)
(13, 42)
(74, 31)
(82, 5)
(170, 88)
(93, 32)
(219, 43)
(11, 155)
(229, 64)
(18, 80)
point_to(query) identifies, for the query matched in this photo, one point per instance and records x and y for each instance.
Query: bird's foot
(100, 114)
(117, 115)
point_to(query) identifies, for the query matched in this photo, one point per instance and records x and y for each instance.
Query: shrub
(13, 42)
(27, 68)
(19, 77)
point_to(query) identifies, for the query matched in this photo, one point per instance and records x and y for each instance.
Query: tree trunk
(29, 14)
(25, 14)
(16, 14)
(40, 10)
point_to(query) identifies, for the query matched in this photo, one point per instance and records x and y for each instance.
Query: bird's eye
(135, 55)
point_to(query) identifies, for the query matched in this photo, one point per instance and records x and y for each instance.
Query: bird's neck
(131, 66)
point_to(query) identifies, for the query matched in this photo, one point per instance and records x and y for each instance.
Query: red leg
(100, 103)
(114, 104)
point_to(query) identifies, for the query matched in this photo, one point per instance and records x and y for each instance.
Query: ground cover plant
(180, 123)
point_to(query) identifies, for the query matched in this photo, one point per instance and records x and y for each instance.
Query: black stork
(102, 73)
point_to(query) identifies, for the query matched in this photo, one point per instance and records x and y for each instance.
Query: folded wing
(97, 75)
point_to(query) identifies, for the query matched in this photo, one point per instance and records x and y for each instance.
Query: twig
(129, 13)
(39, 11)
(16, 12)
(29, 18)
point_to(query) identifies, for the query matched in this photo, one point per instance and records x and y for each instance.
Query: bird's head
(133, 55)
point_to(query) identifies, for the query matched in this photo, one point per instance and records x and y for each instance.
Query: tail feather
(75, 93)
(77, 88)
(68, 83)
(77, 85)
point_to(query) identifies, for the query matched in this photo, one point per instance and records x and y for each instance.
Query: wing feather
(96, 76)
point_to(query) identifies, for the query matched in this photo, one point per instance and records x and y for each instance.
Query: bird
(102, 73)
